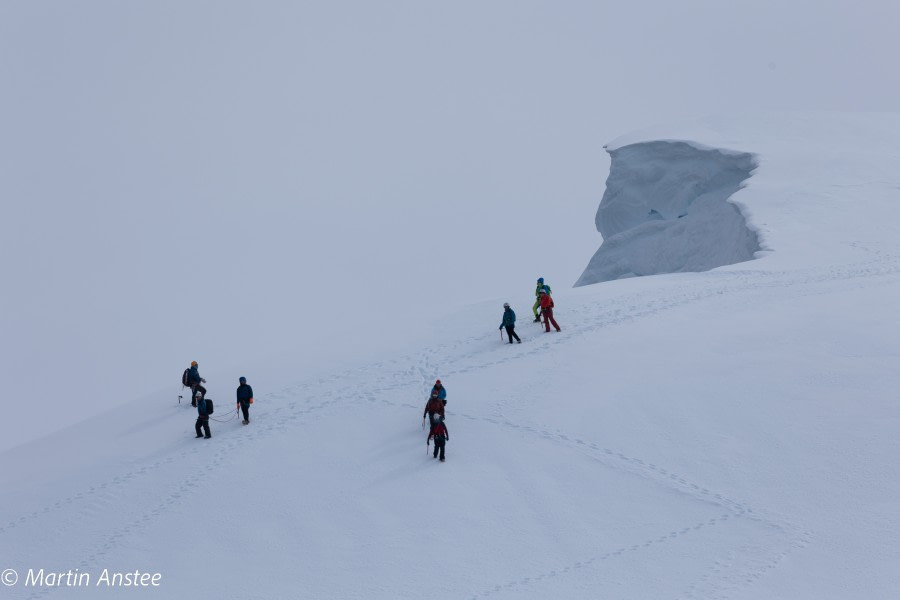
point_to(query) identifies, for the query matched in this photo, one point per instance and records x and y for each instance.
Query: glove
(251, 400)
(501, 327)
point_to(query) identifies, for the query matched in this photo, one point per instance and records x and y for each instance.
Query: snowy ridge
(666, 210)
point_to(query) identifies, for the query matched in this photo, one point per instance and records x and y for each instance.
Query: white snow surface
(730, 433)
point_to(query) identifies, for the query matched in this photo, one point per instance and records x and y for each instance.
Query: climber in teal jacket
(509, 321)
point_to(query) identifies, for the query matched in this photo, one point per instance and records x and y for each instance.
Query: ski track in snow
(332, 392)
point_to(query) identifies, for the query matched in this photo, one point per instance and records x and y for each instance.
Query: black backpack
(185, 377)
(209, 406)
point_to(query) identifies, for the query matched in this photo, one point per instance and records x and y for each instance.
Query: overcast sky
(288, 182)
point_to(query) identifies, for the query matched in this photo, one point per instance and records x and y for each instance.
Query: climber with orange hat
(193, 381)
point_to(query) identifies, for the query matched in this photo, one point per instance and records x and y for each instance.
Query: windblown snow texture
(666, 209)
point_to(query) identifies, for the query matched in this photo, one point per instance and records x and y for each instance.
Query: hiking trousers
(202, 422)
(439, 443)
(511, 333)
(548, 318)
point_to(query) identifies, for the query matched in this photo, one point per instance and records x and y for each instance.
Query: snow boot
(200, 436)
(209, 436)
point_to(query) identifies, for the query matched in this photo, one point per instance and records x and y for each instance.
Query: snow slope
(722, 434)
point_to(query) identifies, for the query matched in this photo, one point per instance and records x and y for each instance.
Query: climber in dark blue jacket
(194, 381)
(245, 399)
(202, 418)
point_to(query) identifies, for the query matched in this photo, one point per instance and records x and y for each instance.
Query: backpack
(209, 406)
(435, 407)
(185, 377)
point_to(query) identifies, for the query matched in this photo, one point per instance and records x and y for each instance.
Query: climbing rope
(231, 418)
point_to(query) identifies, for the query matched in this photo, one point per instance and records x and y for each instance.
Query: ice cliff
(667, 209)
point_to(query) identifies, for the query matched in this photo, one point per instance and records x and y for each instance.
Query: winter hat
(193, 363)
(506, 305)
(540, 280)
(243, 380)
(438, 382)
